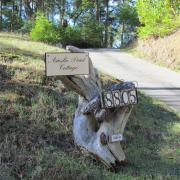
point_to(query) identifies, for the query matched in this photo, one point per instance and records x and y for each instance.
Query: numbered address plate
(116, 138)
(117, 98)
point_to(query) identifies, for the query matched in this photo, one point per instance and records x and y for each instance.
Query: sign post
(102, 114)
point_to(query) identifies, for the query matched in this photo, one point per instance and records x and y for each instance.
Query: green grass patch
(36, 129)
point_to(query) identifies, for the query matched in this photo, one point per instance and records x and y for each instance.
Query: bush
(44, 30)
(85, 36)
(70, 35)
(27, 27)
(157, 17)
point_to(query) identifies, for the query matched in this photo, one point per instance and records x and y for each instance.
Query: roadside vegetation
(158, 33)
(157, 18)
(81, 23)
(163, 51)
(36, 125)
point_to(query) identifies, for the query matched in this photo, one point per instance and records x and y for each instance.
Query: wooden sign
(58, 64)
(117, 98)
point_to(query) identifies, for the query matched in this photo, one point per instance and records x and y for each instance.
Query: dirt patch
(164, 51)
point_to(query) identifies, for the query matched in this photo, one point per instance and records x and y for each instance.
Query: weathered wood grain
(93, 125)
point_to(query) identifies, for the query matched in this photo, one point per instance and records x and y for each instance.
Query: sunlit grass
(176, 128)
(17, 42)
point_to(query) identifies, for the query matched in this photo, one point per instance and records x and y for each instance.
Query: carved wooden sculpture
(93, 125)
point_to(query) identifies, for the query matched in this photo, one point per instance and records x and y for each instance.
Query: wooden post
(95, 129)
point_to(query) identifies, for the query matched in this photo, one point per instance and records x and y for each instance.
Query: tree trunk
(12, 17)
(28, 8)
(122, 35)
(62, 11)
(93, 126)
(97, 10)
(40, 5)
(20, 9)
(123, 29)
(1, 20)
(106, 22)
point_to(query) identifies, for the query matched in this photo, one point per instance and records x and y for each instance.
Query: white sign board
(58, 64)
(116, 138)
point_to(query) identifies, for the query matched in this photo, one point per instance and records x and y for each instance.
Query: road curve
(155, 81)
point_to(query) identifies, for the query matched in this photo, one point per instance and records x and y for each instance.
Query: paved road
(156, 81)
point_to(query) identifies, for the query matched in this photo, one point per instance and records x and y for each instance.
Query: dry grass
(15, 42)
(163, 51)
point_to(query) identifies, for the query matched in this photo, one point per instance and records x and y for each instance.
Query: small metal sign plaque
(116, 138)
(58, 64)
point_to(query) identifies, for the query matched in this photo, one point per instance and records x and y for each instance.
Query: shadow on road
(169, 95)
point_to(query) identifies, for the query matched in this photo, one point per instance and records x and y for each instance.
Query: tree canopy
(96, 23)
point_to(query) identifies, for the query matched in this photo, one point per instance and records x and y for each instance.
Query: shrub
(27, 26)
(44, 30)
(85, 36)
(70, 35)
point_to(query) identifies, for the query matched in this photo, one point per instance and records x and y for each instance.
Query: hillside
(163, 51)
(36, 125)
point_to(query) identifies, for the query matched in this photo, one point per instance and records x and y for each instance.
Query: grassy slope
(36, 126)
(163, 51)
(160, 62)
